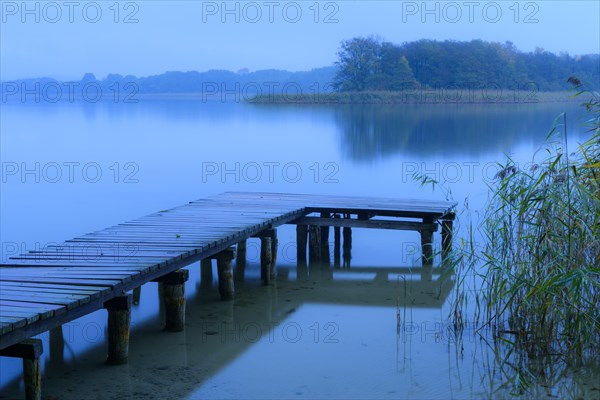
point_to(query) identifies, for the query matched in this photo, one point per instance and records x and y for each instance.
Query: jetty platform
(43, 289)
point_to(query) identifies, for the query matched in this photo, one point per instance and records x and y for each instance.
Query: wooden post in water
(57, 345)
(314, 245)
(225, 269)
(347, 253)
(427, 243)
(119, 320)
(325, 256)
(174, 299)
(274, 245)
(336, 244)
(32, 372)
(206, 273)
(301, 238)
(30, 351)
(137, 292)
(427, 273)
(447, 236)
(266, 259)
(161, 300)
(240, 261)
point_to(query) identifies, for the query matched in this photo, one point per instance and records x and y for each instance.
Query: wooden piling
(174, 299)
(30, 351)
(57, 345)
(301, 270)
(427, 243)
(347, 251)
(447, 236)
(427, 273)
(161, 300)
(325, 253)
(32, 376)
(225, 270)
(274, 245)
(301, 238)
(314, 245)
(336, 244)
(266, 259)
(206, 273)
(240, 261)
(137, 292)
(119, 320)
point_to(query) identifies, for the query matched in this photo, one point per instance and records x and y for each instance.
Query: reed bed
(528, 274)
(541, 260)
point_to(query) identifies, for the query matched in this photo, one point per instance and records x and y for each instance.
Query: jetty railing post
(427, 242)
(314, 245)
(225, 269)
(301, 239)
(30, 351)
(119, 320)
(206, 273)
(266, 259)
(174, 299)
(447, 223)
(240, 261)
(336, 244)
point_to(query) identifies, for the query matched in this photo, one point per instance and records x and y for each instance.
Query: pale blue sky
(65, 42)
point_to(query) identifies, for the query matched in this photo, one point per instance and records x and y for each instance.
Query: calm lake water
(69, 169)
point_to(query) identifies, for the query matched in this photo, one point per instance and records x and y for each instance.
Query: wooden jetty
(233, 329)
(42, 290)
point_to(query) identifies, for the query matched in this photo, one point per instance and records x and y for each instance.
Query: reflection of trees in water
(372, 131)
(369, 131)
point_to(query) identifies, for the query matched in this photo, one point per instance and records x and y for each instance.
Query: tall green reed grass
(540, 265)
(528, 272)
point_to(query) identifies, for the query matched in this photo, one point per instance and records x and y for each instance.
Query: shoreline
(417, 97)
(421, 96)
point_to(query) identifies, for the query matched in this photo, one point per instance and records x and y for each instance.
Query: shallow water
(341, 333)
(324, 336)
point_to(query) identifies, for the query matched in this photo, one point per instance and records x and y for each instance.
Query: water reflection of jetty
(42, 290)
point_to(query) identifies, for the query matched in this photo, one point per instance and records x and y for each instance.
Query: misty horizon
(66, 42)
(246, 70)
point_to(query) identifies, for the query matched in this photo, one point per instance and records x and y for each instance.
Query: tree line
(371, 64)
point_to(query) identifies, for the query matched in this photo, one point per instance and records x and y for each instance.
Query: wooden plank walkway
(43, 289)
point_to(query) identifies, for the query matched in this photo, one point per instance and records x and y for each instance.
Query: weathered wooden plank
(52, 278)
(28, 315)
(53, 262)
(108, 261)
(69, 300)
(10, 305)
(373, 224)
(39, 289)
(199, 242)
(72, 274)
(62, 269)
(81, 282)
(353, 202)
(11, 323)
(45, 286)
(107, 254)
